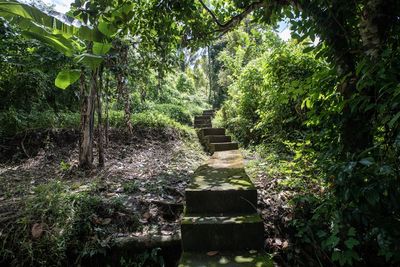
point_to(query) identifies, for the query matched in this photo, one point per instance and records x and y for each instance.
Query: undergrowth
(59, 226)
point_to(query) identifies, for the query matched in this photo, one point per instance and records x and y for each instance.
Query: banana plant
(63, 33)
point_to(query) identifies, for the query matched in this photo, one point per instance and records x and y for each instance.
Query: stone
(231, 259)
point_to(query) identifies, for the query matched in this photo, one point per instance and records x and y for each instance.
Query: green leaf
(67, 77)
(89, 60)
(107, 29)
(367, 161)
(308, 49)
(56, 23)
(351, 242)
(59, 43)
(101, 48)
(393, 120)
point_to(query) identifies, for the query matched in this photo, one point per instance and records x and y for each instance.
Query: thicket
(29, 66)
(283, 100)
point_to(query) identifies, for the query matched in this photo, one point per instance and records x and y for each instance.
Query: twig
(23, 147)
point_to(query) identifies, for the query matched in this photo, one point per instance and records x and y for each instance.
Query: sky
(60, 5)
(63, 6)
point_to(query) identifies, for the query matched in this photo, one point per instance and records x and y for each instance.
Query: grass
(58, 222)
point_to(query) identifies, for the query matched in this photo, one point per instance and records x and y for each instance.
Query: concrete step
(236, 232)
(202, 117)
(209, 131)
(202, 125)
(209, 113)
(252, 258)
(217, 138)
(213, 147)
(215, 190)
(202, 122)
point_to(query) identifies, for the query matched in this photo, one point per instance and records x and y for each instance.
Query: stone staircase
(221, 226)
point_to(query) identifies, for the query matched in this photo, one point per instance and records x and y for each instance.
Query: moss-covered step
(202, 117)
(225, 146)
(235, 232)
(203, 132)
(202, 125)
(208, 112)
(202, 122)
(212, 131)
(220, 190)
(252, 258)
(217, 139)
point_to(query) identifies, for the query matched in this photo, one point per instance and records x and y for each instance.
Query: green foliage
(184, 84)
(17, 121)
(175, 112)
(71, 228)
(287, 96)
(266, 93)
(149, 119)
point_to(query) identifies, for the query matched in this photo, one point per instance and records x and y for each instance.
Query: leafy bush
(151, 119)
(175, 112)
(265, 102)
(60, 227)
(184, 84)
(15, 121)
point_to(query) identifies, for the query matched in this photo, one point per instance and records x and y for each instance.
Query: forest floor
(147, 175)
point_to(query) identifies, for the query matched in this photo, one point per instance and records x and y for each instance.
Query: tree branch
(234, 21)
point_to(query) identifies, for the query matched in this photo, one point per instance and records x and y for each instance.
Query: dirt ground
(148, 174)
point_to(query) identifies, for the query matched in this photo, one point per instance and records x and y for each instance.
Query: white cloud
(60, 5)
(285, 34)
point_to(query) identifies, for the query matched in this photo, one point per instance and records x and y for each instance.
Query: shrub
(175, 112)
(15, 121)
(152, 119)
(60, 226)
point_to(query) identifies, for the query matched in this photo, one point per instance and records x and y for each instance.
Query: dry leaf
(212, 253)
(106, 221)
(37, 230)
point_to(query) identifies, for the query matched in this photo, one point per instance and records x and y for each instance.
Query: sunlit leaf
(67, 77)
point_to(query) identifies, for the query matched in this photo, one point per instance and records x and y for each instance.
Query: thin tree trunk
(107, 123)
(99, 118)
(87, 123)
(122, 86)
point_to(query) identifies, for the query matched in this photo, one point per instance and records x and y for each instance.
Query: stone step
(205, 125)
(209, 113)
(213, 147)
(210, 131)
(209, 110)
(215, 190)
(202, 122)
(202, 117)
(217, 139)
(252, 258)
(206, 233)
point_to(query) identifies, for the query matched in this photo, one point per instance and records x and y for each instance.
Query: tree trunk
(160, 78)
(122, 86)
(99, 119)
(87, 123)
(107, 123)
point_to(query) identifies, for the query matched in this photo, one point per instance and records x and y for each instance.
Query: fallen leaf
(146, 215)
(278, 241)
(37, 230)
(106, 221)
(212, 253)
